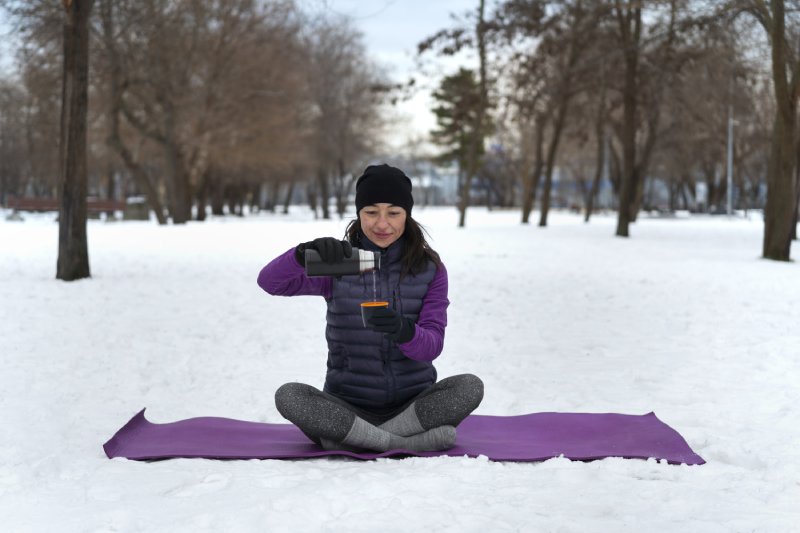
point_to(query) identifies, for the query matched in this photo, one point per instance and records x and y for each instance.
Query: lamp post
(730, 159)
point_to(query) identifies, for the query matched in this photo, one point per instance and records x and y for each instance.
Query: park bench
(93, 205)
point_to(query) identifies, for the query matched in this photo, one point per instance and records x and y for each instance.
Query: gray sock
(405, 424)
(364, 435)
(328, 444)
(433, 440)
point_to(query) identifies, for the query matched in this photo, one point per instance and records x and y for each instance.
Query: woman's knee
(476, 386)
(453, 400)
(290, 395)
(315, 414)
(470, 387)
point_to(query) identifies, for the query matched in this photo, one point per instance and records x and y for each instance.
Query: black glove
(330, 250)
(397, 327)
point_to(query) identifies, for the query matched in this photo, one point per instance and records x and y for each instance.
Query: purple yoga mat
(531, 437)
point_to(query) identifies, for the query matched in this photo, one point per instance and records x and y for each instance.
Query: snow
(682, 319)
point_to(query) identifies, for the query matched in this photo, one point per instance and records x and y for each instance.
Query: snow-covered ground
(683, 319)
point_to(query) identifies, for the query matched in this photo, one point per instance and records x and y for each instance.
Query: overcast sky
(6, 46)
(392, 29)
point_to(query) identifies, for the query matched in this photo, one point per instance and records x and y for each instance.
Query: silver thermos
(358, 262)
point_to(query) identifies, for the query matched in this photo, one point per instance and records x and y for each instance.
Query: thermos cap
(368, 260)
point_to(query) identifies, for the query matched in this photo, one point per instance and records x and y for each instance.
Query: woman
(380, 390)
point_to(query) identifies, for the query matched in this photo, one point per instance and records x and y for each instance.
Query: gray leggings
(323, 416)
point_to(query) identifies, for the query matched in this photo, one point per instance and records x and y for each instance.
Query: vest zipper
(387, 344)
(390, 369)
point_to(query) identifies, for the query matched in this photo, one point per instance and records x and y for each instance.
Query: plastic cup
(367, 308)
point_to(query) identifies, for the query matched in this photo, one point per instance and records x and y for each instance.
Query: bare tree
(450, 42)
(116, 80)
(780, 210)
(346, 93)
(601, 143)
(573, 33)
(629, 17)
(40, 24)
(555, 65)
(73, 249)
(216, 88)
(12, 138)
(476, 149)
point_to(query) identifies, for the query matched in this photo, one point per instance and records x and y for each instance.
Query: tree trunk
(796, 214)
(463, 200)
(263, 197)
(342, 188)
(139, 175)
(558, 127)
(638, 196)
(181, 197)
(202, 196)
(630, 23)
(311, 196)
(476, 148)
(233, 196)
(324, 192)
(217, 190)
(532, 181)
(114, 140)
(111, 188)
(780, 208)
(781, 198)
(600, 158)
(796, 202)
(614, 170)
(254, 198)
(274, 190)
(672, 199)
(73, 248)
(287, 199)
(627, 185)
(600, 162)
(602, 146)
(682, 190)
(796, 189)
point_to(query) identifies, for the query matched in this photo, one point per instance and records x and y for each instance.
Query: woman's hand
(397, 327)
(330, 250)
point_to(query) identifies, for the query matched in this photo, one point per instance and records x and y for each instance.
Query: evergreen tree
(461, 127)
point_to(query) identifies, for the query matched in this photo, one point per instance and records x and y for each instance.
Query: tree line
(220, 105)
(193, 104)
(644, 92)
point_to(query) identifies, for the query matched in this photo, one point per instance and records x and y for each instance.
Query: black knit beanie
(384, 184)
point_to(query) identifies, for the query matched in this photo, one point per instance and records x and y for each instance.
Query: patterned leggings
(322, 416)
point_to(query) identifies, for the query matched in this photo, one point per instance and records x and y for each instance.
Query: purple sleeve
(284, 276)
(428, 340)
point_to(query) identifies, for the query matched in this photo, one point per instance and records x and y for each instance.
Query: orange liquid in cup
(368, 307)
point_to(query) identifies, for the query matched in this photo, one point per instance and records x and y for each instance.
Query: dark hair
(417, 252)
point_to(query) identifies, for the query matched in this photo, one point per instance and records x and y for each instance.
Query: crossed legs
(427, 423)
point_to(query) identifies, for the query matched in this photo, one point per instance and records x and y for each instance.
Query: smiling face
(382, 223)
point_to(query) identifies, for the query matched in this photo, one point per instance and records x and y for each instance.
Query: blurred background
(226, 108)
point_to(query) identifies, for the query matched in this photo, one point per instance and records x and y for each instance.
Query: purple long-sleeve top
(284, 276)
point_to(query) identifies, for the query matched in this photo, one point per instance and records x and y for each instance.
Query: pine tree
(461, 128)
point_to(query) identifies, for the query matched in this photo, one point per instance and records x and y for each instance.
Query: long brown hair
(417, 251)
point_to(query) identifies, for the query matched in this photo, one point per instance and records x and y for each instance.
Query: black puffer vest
(364, 367)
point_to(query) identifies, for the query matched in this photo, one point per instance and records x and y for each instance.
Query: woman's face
(382, 223)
